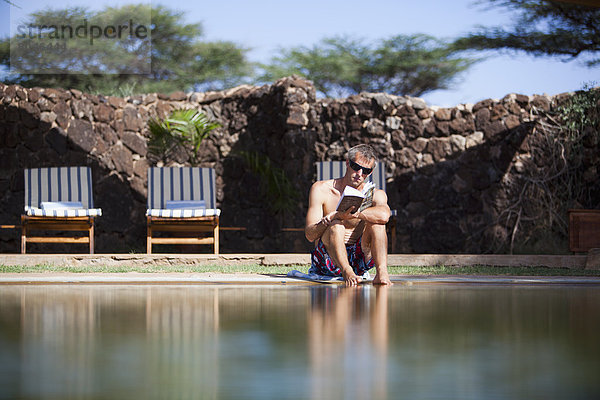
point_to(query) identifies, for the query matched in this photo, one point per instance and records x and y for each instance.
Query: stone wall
(452, 172)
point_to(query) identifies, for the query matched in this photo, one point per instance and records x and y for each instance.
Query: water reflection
(319, 342)
(348, 341)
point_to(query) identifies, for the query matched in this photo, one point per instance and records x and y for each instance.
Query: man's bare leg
(333, 238)
(375, 238)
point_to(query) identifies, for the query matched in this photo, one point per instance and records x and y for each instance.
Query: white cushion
(64, 212)
(184, 213)
(61, 205)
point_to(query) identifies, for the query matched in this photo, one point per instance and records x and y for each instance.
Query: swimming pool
(448, 341)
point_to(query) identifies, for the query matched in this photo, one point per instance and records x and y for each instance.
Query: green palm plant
(182, 129)
(275, 185)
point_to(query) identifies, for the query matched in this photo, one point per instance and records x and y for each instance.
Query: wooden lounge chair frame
(584, 230)
(58, 184)
(182, 184)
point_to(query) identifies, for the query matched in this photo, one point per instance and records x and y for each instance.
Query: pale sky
(266, 25)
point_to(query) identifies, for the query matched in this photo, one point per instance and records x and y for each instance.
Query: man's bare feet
(382, 279)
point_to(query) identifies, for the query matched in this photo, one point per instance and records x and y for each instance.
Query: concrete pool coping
(140, 260)
(141, 278)
(291, 260)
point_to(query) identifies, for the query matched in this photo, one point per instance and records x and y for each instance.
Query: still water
(299, 342)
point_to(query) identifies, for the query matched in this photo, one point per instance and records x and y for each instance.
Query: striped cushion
(186, 183)
(184, 213)
(59, 184)
(64, 212)
(337, 169)
(181, 184)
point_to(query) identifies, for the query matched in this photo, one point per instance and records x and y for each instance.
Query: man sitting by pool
(348, 243)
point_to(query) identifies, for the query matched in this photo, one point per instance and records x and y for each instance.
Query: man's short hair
(364, 150)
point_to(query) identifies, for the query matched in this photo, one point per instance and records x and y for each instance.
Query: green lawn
(261, 269)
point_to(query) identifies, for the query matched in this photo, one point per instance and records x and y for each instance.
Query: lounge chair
(58, 199)
(182, 200)
(337, 169)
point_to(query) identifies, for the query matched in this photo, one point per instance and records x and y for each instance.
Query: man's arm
(379, 212)
(315, 224)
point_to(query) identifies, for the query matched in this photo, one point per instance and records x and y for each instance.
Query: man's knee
(334, 232)
(375, 235)
(375, 229)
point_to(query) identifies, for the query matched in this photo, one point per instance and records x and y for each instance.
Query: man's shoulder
(323, 185)
(380, 195)
(323, 189)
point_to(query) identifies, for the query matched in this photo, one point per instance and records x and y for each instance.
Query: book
(352, 197)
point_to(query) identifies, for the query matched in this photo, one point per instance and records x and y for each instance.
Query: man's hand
(329, 218)
(348, 214)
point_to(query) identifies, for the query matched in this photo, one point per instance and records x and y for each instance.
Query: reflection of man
(348, 342)
(348, 243)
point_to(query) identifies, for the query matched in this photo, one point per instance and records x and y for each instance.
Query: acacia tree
(401, 65)
(178, 58)
(543, 28)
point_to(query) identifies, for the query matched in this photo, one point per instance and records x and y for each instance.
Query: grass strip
(223, 269)
(266, 269)
(490, 270)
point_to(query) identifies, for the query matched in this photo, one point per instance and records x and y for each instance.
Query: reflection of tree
(348, 343)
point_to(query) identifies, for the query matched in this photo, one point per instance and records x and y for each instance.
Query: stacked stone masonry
(451, 171)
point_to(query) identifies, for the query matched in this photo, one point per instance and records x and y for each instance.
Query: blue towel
(185, 204)
(311, 276)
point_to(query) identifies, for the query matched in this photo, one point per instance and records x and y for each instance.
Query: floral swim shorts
(322, 264)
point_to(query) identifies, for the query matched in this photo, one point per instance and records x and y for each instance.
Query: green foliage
(150, 268)
(581, 110)
(579, 125)
(182, 130)
(108, 88)
(559, 174)
(283, 270)
(542, 28)
(489, 270)
(219, 65)
(402, 65)
(179, 59)
(276, 187)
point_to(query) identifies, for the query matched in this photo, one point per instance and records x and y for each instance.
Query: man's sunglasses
(357, 167)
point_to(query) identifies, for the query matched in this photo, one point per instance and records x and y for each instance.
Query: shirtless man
(348, 243)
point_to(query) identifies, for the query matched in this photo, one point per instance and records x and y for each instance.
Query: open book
(352, 197)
